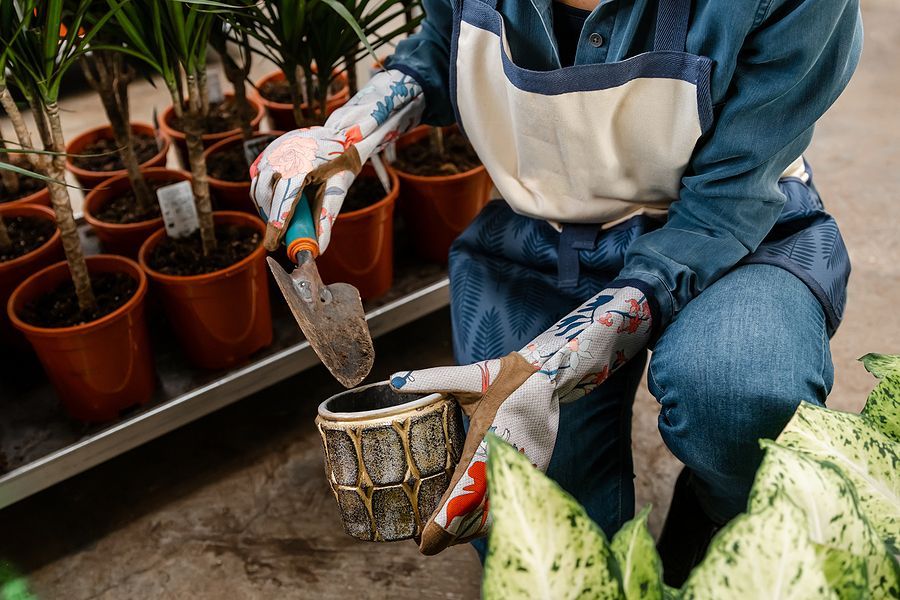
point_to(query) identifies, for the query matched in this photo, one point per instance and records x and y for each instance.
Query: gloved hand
(331, 156)
(517, 397)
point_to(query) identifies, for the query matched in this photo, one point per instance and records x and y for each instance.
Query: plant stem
(238, 78)
(5, 241)
(62, 207)
(9, 179)
(193, 138)
(21, 129)
(436, 135)
(350, 65)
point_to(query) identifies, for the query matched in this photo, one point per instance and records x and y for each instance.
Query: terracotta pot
(438, 208)
(13, 272)
(124, 239)
(361, 251)
(98, 368)
(39, 198)
(165, 124)
(232, 195)
(220, 318)
(387, 486)
(281, 114)
(91, 179)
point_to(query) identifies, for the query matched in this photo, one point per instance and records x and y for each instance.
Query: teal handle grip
(301, 225)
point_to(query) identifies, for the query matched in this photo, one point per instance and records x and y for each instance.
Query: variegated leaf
(883, 406)
(639, 563)
(846, 573)
(543, 544)
(880, 365)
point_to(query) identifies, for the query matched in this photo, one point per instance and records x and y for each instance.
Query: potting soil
(222, 116)
(229, 164)
(184, 256)
(59, 308)
(123, 208)
(280, 91)
(421, 159)
(364, 192)
(110, 157)
(27, 234)
(27, 186)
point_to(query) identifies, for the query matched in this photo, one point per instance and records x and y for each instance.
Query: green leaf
(670, 593)
(864, 455)
(764, 555)
(543, 544)
(846, 573)
(639, 564)
(880, 365)
(883, 406)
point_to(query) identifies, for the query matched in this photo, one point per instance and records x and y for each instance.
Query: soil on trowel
(27, 234)
(280, 91)
(229, 164)
(223, 116)
(59, 308)
(27, 186)
(108, 156)
(184, 256)
(123, 209)
(364, 192)
(421, 159)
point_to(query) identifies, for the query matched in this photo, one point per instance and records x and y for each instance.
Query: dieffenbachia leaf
(883, 406)
(881, 365)
(846, 573)
(864, 455)
(543, 544)
(833, 516)
(762, 555)
(639, 563)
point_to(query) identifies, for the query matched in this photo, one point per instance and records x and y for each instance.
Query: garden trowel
(330, 316)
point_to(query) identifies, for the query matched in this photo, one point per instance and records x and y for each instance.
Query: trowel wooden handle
(301, 231)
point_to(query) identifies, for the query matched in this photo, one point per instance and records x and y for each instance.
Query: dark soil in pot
(280, 91)
(59, 308)
(27, 186)
(420, 158)
(229, 164)
(223, 116)
(145, 147)
(123, 209)
(364, 192)
(27, 234)
(184, 256)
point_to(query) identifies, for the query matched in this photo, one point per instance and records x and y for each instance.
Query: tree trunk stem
(5, 241)
(194, 141)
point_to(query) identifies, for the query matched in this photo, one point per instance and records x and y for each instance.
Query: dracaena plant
(823, 520)
(303, 37)
(234, 47)
(41, 41)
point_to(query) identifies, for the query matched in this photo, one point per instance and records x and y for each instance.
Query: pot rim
(70, 166)
(175, 134)
(20, 260)
(129, 305)
(379, 413)
(204, 277)
(223, 143)
(278, 75)
(30, 199)
(91, 198)
(388, 198)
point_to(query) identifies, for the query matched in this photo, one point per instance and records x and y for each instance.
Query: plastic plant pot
(125, 238)
(168, 116)
(91, 179)
(361, 251)
(38, 198)
(232, 195)
(281, 114)
(13, 272)
(438, 208)
(219, 318)
(97, 368)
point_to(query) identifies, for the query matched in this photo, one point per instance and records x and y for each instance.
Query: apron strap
(572, 239)
(672, 19)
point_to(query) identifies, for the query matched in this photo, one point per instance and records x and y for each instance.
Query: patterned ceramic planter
(389, 458)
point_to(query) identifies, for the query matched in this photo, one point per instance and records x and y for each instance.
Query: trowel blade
(332, 319)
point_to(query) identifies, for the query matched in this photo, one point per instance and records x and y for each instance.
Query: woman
(654, 196)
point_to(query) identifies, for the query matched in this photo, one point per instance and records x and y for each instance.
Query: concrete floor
(235, 505)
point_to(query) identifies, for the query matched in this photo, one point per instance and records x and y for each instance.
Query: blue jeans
(730, 369)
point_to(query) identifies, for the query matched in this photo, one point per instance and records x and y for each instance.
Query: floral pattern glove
(332, 155)
(518, 396)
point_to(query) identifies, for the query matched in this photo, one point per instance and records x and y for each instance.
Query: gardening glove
(517, 397)
(331, 156)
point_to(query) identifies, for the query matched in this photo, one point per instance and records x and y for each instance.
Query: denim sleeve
(792, 65)
(425, 56)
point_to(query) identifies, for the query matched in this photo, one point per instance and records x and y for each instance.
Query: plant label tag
(255, 146)
(157, 132)
(382, 173)
(390, 152)
(214, 87)
(179, 212)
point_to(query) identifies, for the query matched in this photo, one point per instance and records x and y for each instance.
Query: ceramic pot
(281, 114)
(389, 458)
(233, 195)
(91, 179)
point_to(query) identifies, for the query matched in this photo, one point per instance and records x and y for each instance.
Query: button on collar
(596, 40)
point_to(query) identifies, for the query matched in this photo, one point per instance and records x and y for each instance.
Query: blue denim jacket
(777, 67)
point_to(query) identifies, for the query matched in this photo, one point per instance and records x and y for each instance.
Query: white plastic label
(382, 173)
(179, 212)
(214, 87)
